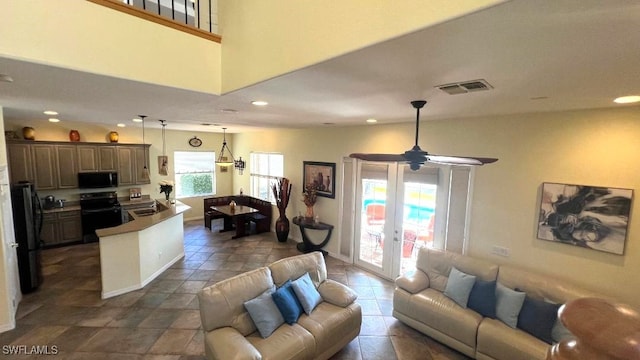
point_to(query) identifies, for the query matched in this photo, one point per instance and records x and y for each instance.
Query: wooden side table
(306, 245)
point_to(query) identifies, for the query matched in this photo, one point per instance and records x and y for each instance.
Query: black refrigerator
(27, 222)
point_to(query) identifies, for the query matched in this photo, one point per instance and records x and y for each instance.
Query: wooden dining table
(235, 216)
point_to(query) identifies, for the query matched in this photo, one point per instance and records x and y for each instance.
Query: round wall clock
(195, 142)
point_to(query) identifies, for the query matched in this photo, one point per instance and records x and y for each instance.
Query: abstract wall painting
(587, 216)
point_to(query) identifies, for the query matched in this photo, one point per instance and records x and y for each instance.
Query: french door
(398, 211)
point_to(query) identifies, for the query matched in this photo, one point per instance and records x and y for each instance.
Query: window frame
(178, 173)
(255, 177)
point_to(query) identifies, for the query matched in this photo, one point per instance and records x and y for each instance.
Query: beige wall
(258, 44)
(597, 147)
(132, 134)
(6, 313)
(83, 36)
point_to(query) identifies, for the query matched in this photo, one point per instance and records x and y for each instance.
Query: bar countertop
(166, 210)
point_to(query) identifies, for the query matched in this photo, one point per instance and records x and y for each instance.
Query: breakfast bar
(136, 252)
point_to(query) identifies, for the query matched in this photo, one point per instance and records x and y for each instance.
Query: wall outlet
(500, 251)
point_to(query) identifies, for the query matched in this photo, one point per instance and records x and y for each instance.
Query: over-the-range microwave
(100, 179)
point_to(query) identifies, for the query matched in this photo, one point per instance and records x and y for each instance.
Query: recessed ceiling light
(627, 99)
(6, 78)
(372, 121)
(54, 120)
(259, 103)
(121, 125)
(136, 120)
(51, 112)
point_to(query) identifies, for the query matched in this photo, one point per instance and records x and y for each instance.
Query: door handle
(14, 245)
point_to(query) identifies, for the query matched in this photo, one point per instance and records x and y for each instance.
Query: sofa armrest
(336, 293)
(227, 343)
(413, 281)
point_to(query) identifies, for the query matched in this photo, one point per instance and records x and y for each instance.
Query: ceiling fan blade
(379, 157)
(459, 160)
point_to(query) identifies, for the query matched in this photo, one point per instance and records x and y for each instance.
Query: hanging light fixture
(163, 160)
(145, 169)
(223, 160)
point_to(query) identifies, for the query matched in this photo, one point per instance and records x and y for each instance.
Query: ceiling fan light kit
(416, 157)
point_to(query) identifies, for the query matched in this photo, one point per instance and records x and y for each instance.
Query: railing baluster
(210, 18)
(173, 10)
(195, 7)
(144, 4)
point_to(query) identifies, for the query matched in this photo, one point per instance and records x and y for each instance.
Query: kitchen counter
(135, 253)
(165, 211)
(62, 209)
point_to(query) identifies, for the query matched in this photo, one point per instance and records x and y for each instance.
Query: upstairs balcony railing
(198, 17)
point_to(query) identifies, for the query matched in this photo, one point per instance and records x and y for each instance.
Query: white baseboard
(7, 327)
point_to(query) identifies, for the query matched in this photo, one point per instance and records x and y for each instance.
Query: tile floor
(162, 321)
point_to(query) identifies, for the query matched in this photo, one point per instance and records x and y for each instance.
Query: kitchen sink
(145, 212)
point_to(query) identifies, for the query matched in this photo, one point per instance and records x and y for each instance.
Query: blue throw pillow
(459, 286)
(264, 313)
(287, 303)
(508, 304)
(483, 298)
(306, 293)
(537, 318)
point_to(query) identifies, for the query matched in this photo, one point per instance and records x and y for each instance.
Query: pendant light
(145, 169)
(224, 160)
(163, 161)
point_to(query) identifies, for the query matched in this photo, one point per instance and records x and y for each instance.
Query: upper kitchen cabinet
(19, 159)
(97, 158)
(131, 160)
(45, 165)
(67, 169)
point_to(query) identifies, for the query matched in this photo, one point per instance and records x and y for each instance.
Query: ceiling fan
(416, 157)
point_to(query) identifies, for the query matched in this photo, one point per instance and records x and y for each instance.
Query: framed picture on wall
(587, 216)
(322, 175)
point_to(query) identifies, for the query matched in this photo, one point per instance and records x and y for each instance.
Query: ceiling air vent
(465, 87)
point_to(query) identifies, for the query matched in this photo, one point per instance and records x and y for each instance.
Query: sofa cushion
(483, 298)
(295, 266)
(437, 264)
(498, 341)
(287, 342)
(459, 286)
(508, 304)
(537, 318)
(413, 281)
(329, 323)
(306, 292)
(287, 303)
(264, 313)
(337, 293)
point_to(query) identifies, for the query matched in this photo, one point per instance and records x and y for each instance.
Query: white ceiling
(543, 55)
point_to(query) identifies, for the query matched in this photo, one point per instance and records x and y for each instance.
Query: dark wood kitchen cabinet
(61, 227)
(97, 158)
(67, 166)
(130, 164)
(45, 165)
(19, 159)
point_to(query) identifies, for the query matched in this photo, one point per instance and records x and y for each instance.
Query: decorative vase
(74, 135)
(309, 215)
(28, 133)
(282, 228)
(113, 137)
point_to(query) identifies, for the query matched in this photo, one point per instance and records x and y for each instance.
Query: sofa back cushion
(222, 304)
(293, 267)
(541, 287)
(437, 264)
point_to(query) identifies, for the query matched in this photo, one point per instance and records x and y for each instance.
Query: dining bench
(261, 219)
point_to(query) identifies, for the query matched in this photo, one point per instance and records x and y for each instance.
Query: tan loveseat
(419, 302)
(231, 334)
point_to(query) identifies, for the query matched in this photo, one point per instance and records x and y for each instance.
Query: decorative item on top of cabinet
(74, 136)
(113, 136)
(28, 133)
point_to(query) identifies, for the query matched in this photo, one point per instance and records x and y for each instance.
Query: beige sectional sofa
(230, 332)
(419, 302)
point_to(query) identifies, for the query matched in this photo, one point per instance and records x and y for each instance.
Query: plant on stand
(166, 187)
(282, 193)
(310, 195)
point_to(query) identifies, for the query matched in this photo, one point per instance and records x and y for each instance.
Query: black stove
(99, 210)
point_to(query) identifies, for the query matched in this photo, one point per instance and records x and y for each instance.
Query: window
(265, 170)
(194, 173)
